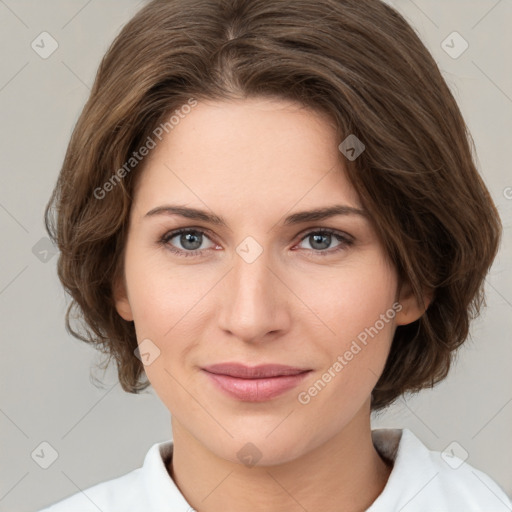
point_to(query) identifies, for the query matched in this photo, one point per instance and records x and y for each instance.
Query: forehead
(253, 155)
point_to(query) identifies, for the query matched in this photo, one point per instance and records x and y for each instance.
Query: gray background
(99, 433)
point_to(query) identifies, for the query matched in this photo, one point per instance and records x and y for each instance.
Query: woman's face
(253, 280)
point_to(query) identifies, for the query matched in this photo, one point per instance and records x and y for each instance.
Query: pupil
(188, 238)
(318, 240)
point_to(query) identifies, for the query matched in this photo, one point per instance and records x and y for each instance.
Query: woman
(271, 210)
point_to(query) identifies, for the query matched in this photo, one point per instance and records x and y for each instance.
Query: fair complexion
(301, 302)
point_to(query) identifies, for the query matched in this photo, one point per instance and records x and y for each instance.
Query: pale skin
(255, 162)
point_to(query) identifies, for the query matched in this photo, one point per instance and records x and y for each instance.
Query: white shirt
(420, 481)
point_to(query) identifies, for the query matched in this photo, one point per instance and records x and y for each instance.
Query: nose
(254, 301)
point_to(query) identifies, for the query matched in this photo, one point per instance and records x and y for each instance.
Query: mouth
(254, 383)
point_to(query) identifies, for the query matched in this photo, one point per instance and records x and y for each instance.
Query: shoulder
(144, 488)
(119, 493)
(426, 480)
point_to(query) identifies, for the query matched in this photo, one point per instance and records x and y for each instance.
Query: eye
(321, 239)
(190, 240)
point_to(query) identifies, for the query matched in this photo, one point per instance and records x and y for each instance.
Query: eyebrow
(295, 218)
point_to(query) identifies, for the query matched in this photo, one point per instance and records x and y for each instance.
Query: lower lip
(255, 390)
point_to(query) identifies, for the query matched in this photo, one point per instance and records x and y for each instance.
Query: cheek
(162, 294)
(351, 298)
(168, 306)
(356, 304)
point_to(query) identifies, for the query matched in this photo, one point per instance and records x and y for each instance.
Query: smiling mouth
(254, 383)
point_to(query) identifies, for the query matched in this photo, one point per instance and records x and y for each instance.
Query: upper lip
(261, 371)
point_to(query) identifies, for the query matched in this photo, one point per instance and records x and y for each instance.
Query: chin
(256, 447)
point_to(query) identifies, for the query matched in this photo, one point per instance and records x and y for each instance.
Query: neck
(345, 473)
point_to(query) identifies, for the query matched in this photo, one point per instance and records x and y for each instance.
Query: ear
(121, 300)
(411, 309)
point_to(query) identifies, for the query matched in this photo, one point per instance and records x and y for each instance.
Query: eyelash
(344, 240)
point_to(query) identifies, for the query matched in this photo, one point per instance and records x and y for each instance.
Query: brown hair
(359, 62)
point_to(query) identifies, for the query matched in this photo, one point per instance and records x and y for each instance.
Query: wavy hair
(359, 62)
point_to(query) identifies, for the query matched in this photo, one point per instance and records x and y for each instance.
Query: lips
(242, 371)
(254, 383)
